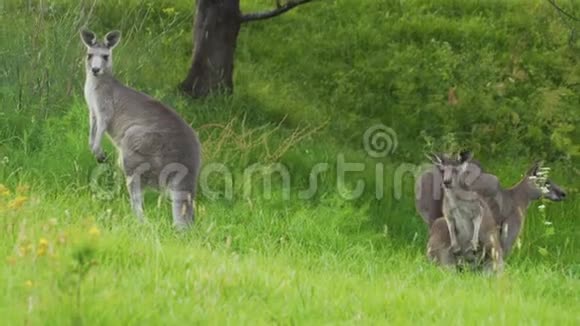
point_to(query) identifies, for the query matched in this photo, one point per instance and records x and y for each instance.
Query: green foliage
(512, 63)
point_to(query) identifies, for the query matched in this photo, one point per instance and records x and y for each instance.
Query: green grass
(254, 263)
(73, 253)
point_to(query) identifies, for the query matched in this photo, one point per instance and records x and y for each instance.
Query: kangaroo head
(99, 59)
(452, 169)
(539, 186)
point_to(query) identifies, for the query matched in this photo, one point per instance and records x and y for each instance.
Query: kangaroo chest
(465, 211)
(462, 211)
(461, 204)
(100, 100)
(91, 94)
(99, 96)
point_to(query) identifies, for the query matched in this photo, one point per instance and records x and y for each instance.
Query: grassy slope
(257, 265)
(267, 260)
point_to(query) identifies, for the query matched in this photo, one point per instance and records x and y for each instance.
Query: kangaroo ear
(533, 171)
(434, 158)
(88, 38)
(112, 39)
(464, 156)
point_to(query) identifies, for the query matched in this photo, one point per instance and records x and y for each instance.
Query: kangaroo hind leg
(476, 228)
(183, 213)
(494, 264)
(454, 245)
(136, 194)
(136, 171)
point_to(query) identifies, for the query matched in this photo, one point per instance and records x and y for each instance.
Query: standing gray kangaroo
(466, 216)
(462, 209)
(157, 148)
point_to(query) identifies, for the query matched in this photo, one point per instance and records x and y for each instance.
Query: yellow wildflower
(40, 251)
(29, 284)
(17, 202)
(42, 247)
(4, 191)
(94, 231)
(43, 242)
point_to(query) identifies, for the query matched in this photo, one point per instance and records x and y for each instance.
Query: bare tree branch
(553, 3)
(565, 16)
(275, 12)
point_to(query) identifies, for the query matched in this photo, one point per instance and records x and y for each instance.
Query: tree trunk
(217, 23)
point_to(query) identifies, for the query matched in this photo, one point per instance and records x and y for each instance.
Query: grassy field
(309, 85)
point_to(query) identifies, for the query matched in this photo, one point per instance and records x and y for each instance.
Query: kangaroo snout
(447, 183)
(559, 195)
(95, 71)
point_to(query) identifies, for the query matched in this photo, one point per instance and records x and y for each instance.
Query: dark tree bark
(217, 23)
(216, 28)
